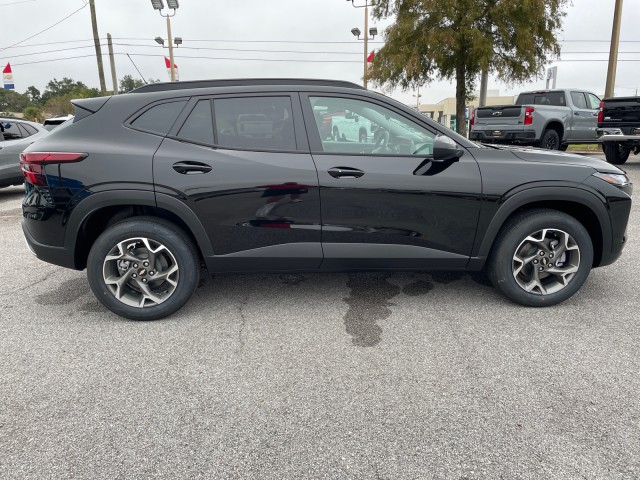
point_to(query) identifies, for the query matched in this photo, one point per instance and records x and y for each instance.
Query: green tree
(456, 39)
(128, 83)
(34, 94)
(11, 101)
(33, 113)
(67, 86)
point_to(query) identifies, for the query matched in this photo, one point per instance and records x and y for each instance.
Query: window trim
(315, 141)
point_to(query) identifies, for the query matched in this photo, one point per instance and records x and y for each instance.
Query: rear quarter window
(159, 118)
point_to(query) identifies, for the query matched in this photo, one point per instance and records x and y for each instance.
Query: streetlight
(373, 31)
(174, 5)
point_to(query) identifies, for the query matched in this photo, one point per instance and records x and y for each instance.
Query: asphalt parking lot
(381, 376)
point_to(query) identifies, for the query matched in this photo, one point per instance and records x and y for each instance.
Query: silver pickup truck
(550, 119)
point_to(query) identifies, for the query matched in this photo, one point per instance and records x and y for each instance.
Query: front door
(385, 203)
(243, 166)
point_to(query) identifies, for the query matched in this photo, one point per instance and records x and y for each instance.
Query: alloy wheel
(140, 272)
(546, 261)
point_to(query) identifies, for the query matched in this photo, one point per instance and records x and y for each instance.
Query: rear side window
(30, 130)
(255, 123)
(199, 125)
(159, 118)
(594, 102)
(578, 100)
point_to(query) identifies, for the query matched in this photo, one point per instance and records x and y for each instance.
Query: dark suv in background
(241, 176)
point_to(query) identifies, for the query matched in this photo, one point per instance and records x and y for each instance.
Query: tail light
(601, 113)
(473, 117)
(31, 164)
(528, 115)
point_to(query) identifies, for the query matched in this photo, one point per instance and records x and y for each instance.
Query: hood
(553, 156)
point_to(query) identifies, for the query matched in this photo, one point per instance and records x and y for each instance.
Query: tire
(563, 147)
(550, 140)
(615, 153)
(362, 137)
(515, 261)
(335, 134)
(135, 241)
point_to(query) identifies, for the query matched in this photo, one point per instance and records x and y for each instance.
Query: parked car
(619, 128)
(551, 119)
(15, 135)
(141, 189)
(51, 123)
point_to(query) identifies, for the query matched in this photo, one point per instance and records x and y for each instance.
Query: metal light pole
(172, 4)
(613, 52)
(367, 31)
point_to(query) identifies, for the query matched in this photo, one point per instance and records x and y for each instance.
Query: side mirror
(446, 150)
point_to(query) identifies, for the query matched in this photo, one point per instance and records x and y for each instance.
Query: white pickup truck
(550, 119)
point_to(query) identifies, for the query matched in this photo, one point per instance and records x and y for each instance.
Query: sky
(269, 38)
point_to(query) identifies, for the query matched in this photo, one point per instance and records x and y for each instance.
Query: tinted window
(594, 102)
(10, 130)
(578, 100)
(255, 123)
(346, 125)
(199, 125)
(31, 130)
(542, 98)
(159, 118)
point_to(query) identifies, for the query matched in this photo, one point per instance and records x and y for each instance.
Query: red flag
(370, 57)
(168, 63)
(7, 69)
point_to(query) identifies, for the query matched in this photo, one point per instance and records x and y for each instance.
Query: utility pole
(484, 80)
(366, 44)
(613, 51)
(172, 69)
(113, 65)
(96, 41)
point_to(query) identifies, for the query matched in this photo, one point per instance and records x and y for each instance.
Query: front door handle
(190, 168)
(345, 172)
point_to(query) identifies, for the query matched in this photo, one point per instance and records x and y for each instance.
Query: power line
(16, 3)
(46, 29)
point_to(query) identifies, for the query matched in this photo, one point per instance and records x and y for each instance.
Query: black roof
(242, 82)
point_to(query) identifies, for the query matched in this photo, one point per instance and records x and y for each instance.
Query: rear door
(585, 119)
(385, 203)
(242, 164)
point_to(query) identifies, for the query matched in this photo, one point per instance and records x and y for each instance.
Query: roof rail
(242, 82)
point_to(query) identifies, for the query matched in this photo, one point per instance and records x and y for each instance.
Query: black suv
(247, 176)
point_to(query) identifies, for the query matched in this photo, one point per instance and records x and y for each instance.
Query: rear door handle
(190, 168)
(345, 172)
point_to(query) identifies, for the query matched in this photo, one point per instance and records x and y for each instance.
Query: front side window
(348, 125)
(255, 123)
(159, 118)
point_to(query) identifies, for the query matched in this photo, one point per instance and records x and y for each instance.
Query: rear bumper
(56, 255)
(499, 135)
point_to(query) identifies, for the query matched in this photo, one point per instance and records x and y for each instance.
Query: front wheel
(143, 268)
(541, 258)
(615, 153)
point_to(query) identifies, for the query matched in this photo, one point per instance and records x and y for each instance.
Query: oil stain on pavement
(368, 304)
(65, 293)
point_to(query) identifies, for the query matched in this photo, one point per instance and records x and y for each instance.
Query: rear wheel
(550, 140)
(615, 153)
(541, 258)
(143, 268)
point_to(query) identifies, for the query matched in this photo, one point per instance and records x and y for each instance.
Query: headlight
(617, 179)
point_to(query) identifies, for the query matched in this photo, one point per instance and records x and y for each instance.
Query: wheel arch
(581, 204)
(554, 125)
(97, 212)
